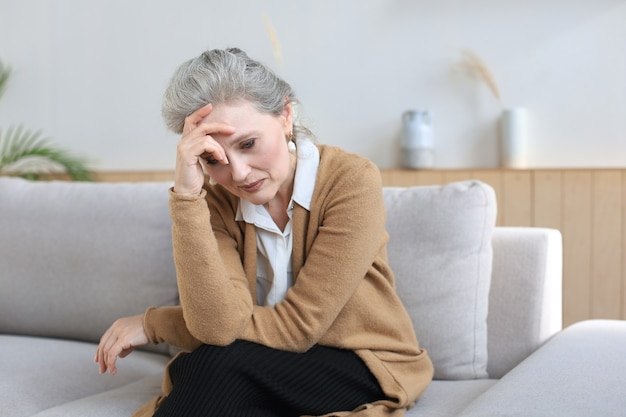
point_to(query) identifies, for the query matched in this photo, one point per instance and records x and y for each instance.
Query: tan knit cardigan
(343, 296)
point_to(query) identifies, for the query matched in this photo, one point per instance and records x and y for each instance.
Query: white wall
(91, 74)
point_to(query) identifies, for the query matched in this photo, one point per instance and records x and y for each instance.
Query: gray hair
(224, 77)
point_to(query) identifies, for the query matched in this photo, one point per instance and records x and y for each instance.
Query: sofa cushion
(122, 401)
(440, 251)
(39, 373)
(76, 256)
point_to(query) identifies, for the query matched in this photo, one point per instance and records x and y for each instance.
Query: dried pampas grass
(278, 51)
(476, 67)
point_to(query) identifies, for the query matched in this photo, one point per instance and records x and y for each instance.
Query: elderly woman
(288, 305)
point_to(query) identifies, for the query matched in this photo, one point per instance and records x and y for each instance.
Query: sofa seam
(477, 283)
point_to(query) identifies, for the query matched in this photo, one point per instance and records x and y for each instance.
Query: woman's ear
(288, 115)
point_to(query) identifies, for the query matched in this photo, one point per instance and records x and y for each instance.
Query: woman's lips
(252, 187)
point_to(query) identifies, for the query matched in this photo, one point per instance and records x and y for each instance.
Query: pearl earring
(292, 146)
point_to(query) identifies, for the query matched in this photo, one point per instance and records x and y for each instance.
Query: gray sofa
(485, 300)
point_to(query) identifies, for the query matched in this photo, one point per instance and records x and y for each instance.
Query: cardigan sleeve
(205, 283)
(166, 325)
(215, 299)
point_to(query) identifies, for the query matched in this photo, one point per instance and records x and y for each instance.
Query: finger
(211, 129)
(124, 353)
(111, 359)
(210, 155)
(196, 117)
(99, 359)
(110, 350)
(200, 143)
(102, 366)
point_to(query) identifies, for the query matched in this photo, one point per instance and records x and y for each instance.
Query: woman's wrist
(187, 196)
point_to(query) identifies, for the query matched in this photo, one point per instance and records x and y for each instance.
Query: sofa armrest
(525, 307)
(579, 372)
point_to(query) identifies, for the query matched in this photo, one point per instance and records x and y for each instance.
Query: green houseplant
(28, 154)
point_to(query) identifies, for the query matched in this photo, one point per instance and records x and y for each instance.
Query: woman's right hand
(197, 143)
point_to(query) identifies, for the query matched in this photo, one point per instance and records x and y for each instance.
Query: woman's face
(260, 164)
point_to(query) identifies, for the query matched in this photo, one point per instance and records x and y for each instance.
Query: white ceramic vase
(514, 138)
(418, 146)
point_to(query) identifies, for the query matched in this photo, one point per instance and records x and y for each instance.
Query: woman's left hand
(119, 341)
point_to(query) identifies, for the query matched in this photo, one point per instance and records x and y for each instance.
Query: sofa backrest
(442, 242)
(525, 299)
(74, 257)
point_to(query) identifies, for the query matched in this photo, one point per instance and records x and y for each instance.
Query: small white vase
(418, 145)
(514, 138)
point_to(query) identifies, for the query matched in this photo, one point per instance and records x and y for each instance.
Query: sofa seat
(447, 398)
(41, 373)
(121, 401)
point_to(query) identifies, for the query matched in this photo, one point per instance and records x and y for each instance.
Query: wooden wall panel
(134, 176)
(453, 176)
(547, 199)
(408, 178)
(516, 200)
(606, 241)
(576, 230)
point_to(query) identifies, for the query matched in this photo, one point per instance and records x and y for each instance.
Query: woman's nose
(239, 169)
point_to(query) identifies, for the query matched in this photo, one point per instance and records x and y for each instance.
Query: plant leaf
(5, 73)
(26, 153)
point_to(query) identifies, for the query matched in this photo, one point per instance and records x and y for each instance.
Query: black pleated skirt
(251, 380)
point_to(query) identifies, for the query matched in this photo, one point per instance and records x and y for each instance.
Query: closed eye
(208, 157)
